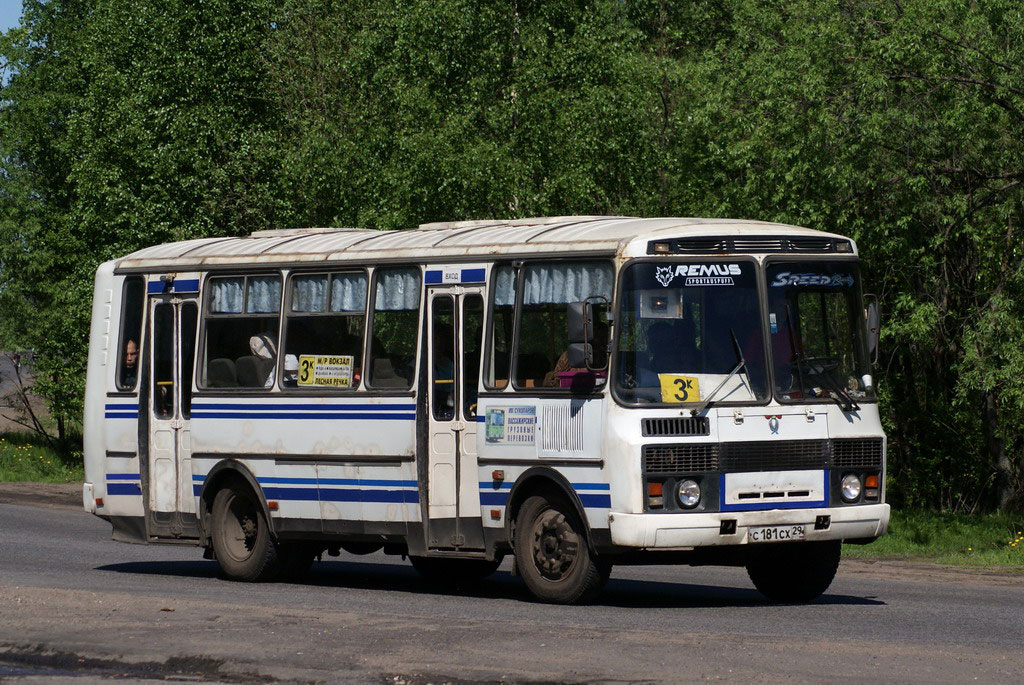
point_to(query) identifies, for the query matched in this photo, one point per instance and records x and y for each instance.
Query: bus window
(502, 318)
(548, 288)
(189, 317)
(442, 354)
(241, 331)
(131, 326)
(394, 328)
(323, 332)
(472, 342)
(163, 361)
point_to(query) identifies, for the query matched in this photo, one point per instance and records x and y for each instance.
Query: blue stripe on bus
(473, 275)
(121, 415)
(338, 481)
(122, 476)
(499, 497)
(121, 407)
(596, 501)
(188, 285)
(491, 485)
(302, 416)
(124, 489)
(341, 495)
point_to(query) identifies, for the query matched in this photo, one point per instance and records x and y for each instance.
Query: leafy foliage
(127, 123)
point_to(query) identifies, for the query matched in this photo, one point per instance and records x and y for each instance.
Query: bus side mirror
(873, 318)
(581, 333)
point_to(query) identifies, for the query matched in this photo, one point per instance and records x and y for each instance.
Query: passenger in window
(291, 370)
(562, 374)
(264, 348)
(130, 373)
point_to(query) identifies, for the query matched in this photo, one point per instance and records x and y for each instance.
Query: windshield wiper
(837, 393)
(740, 363)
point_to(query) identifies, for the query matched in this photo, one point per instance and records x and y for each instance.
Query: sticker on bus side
(325, 370)
(511, 425)
(676, 388)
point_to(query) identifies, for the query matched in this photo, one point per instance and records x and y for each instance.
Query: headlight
(688, 493)
(850, 487)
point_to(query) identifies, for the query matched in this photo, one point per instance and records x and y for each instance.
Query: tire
(793, 572)
(454, 571)
(242, 543)
(552, 553)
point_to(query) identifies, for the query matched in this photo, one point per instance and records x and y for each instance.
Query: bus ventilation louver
(774, 455)
(680, 458)
(755, 244)
(675, 426)
(856, 452)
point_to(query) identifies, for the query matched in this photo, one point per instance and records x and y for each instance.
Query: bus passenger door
(169, 498)
(455, 327)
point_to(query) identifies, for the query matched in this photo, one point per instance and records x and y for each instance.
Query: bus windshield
(690, 333)
(817, 330)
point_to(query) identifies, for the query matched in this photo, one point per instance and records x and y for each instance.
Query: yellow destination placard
(332, 370)
(676, 388)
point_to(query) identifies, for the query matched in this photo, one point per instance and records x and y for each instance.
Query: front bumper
(686, 531)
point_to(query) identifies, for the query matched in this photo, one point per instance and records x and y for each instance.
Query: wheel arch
(222, 473)
(537, 480)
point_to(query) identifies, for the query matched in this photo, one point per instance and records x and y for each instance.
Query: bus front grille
(694, 458)
(767, 455)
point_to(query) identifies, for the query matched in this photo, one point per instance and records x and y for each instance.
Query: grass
(26, 457)
(959, 539)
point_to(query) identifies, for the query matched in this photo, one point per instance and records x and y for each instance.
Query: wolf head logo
(664, 274)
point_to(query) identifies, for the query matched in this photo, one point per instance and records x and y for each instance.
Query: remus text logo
(698, 274)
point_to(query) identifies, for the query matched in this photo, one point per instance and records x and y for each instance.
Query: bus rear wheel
(242, 542)
(552, 553)
(793, 571)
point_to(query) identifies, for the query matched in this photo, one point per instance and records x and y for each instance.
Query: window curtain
(309, 293)
(561, 283)
(264, 295)
(348, 292)
(226, 295)
(504, 287)
(397, 290)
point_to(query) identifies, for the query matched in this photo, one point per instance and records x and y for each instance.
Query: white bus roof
(455, 241)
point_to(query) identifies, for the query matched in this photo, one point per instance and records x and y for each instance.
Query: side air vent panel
(676, 426)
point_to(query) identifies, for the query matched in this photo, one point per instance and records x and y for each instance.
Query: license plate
(776, 533)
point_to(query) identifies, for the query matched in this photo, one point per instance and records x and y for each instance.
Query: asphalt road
(74, 604)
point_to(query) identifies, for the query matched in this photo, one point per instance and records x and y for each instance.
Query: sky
(10, 12)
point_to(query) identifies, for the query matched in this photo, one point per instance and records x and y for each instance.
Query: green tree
(124, 124)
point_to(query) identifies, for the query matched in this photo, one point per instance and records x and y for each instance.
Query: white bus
(579, 392)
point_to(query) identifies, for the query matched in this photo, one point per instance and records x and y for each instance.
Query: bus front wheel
(242, 541)
(793, 571)
(552, 554)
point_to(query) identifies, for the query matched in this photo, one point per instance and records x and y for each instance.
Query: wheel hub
(555, 545)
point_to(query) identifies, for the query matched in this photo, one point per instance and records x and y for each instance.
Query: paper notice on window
(325, 370)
